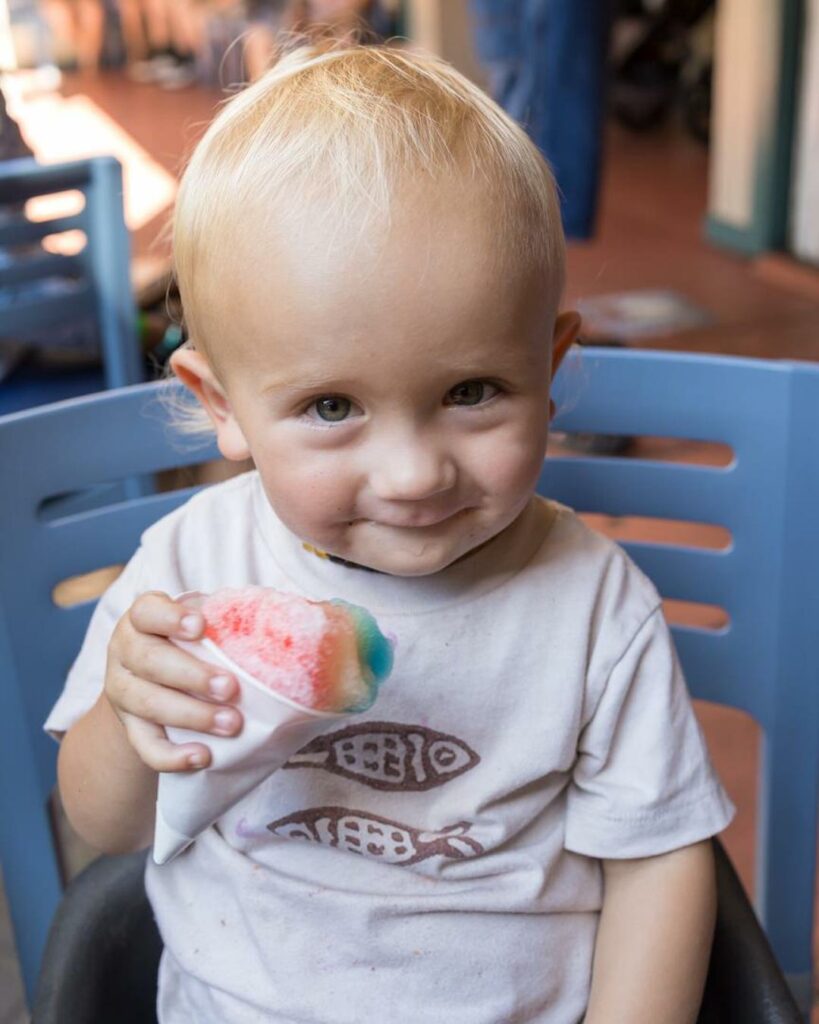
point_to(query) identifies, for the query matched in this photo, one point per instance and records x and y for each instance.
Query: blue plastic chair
(80, 444)
(765, 662)
(92, 286)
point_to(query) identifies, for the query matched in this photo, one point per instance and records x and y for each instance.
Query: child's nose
(412, 472)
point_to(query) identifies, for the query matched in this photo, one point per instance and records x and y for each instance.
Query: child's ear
(195, 372)
(567, 327)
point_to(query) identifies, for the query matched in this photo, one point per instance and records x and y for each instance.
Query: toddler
(370, 259)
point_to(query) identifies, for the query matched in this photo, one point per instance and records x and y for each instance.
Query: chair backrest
(78, 445)
(41, 289)
(765, 661)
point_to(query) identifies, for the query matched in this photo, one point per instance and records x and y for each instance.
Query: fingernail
(196, 760)
(220, 686)
(225, 721)
(190, 625)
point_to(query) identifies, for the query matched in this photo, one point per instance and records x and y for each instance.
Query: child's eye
(471, 392)
(331, 408)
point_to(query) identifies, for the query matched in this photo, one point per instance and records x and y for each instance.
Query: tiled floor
(650, 236)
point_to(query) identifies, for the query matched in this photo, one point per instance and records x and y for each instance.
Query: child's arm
(109, 759)
(654, 939)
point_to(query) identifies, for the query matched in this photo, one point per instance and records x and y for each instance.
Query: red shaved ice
(327, 656)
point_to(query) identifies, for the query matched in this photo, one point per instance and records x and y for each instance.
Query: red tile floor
(650, 236)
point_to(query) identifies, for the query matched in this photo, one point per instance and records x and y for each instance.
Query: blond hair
(358, 124)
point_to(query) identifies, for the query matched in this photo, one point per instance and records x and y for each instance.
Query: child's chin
(398, 563)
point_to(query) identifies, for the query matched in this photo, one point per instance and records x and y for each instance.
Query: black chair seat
(102, 956)
(745, 984)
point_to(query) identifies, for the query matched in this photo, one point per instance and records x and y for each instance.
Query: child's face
(394, 397)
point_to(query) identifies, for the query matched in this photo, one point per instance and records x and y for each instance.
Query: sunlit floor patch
(59, 129)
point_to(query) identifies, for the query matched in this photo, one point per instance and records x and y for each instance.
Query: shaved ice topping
(324, 655)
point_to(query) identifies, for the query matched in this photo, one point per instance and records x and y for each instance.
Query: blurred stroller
(666, 60)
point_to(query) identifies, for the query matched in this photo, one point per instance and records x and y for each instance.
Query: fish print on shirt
(389, 756)
(373, 836)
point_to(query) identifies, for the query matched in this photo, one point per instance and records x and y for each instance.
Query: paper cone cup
(274, 729)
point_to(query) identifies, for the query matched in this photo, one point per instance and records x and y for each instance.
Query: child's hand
(151, 683)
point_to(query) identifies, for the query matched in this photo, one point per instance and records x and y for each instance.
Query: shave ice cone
(300, 665)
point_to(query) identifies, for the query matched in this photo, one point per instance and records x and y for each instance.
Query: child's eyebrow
(297, 385)
(499, 364)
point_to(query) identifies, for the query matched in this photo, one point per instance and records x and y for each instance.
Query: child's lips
(418, 521)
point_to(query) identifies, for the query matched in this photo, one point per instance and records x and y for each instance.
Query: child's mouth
(416, 522)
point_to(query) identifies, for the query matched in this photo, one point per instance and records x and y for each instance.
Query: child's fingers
(163, 705)
(152, 745)
(159, 614)
(158, 660)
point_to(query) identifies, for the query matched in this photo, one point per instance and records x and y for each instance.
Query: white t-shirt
(436, 859)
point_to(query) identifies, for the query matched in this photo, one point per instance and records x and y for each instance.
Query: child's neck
(336, 558)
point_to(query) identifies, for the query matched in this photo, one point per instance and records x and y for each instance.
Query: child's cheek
(512, 460)
(311, 495)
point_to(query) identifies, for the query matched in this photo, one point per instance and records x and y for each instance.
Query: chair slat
(23, 271)
(709, 663)
(607, 391)
(24, 178)
(65, 629)
(76, 544)
(139, 436)
(20, 230)
(637, 487)
(23, 318)
(686, 573)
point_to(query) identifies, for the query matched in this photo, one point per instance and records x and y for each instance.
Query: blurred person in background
(271, 21)
(345, 20)
(267, 20)
(161, 40)
(78, 30)
(546, 61)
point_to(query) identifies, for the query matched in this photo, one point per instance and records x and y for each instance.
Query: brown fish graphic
(388, 755)
(376, 837)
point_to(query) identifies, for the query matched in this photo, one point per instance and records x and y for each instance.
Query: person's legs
(258, 47)
(173, 36)
(498, 33)
(60, 17)
(184, 28)
(90, 21)
(567, 49)
(133, 30)
(156, 24)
